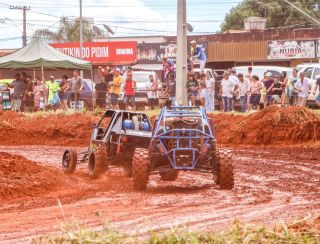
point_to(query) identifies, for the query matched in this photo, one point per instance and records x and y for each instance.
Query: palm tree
(68, 31)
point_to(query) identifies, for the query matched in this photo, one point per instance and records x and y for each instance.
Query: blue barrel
(145, 125)
(127, 124)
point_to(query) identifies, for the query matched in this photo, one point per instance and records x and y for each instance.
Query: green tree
(279, 14)
(68, 31)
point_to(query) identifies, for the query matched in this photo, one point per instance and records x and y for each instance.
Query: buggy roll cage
(203, 132)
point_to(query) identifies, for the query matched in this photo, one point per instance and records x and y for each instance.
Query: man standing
(108, 75)
(277, 90)
(18, 90)
(199, 55)
(101, 90)
(315, 90)
(227, 90)
(249, 75)
(167, 67)
(234, 78)
(115, 87)
(244, 90)
(171, 86)
(302, 86)
(268, 84)
(76, 87)
(293, 95)
(129, 87)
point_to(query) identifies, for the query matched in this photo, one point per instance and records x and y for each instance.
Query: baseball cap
(268, 74)
(193, 42)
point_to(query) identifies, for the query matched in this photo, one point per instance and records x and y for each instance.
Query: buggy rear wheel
(224, 167)
(69, 161)
(140, 165)
(97, 163)
(171, 175)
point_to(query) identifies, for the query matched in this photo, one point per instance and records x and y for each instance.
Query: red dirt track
(273, 182)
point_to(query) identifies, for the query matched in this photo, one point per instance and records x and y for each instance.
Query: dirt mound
(20, 177)
(16, 129)
(273, 125)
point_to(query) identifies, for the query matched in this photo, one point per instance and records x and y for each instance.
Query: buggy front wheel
(97, 163)
(140, 166)
(69, 161)
(225, 175)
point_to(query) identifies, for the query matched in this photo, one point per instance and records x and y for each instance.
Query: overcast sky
(134, 17)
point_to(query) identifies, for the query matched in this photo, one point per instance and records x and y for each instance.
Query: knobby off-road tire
(225, 169)
(97, 164)
(140, 165)
(171, 175)
(69, 161)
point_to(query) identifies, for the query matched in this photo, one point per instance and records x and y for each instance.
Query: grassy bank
(303, 231)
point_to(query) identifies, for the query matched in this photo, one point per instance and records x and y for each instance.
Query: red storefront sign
(101, 52)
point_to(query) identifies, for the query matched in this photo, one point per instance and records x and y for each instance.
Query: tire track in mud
(271, 185)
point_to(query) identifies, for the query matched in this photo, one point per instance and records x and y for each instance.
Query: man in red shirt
(129, 87)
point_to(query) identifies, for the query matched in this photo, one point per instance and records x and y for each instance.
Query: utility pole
(181, 67)
(81, 36)
(24, 11)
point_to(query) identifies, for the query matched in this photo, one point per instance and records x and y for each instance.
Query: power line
(301, 11)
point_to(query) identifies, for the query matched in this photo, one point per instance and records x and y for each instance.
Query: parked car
(312, 72)
(87, 94)
(142, 80)
(260, 70)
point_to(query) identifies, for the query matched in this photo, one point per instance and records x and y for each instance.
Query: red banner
(101, 52)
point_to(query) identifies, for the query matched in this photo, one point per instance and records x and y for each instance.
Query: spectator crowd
(247, 92)
(254, 93)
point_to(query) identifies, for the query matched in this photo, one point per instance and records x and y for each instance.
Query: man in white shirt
(233, 76)
(243, 91)
(227, 90)
(302, 86)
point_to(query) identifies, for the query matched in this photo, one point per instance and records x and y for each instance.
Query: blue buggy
(182, 139)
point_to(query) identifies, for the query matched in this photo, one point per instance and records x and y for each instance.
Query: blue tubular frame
(188, 135)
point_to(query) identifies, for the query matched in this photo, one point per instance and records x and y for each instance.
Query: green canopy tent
(38, 54)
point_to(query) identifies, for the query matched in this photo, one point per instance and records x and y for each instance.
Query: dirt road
(272, 184)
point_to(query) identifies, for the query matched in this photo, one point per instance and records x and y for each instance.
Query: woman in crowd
(62, 94)
(284, 81)
(29, 95)
(203, 89)
(40, 91)
(193, 88)
(255, 93)
(210, 90)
